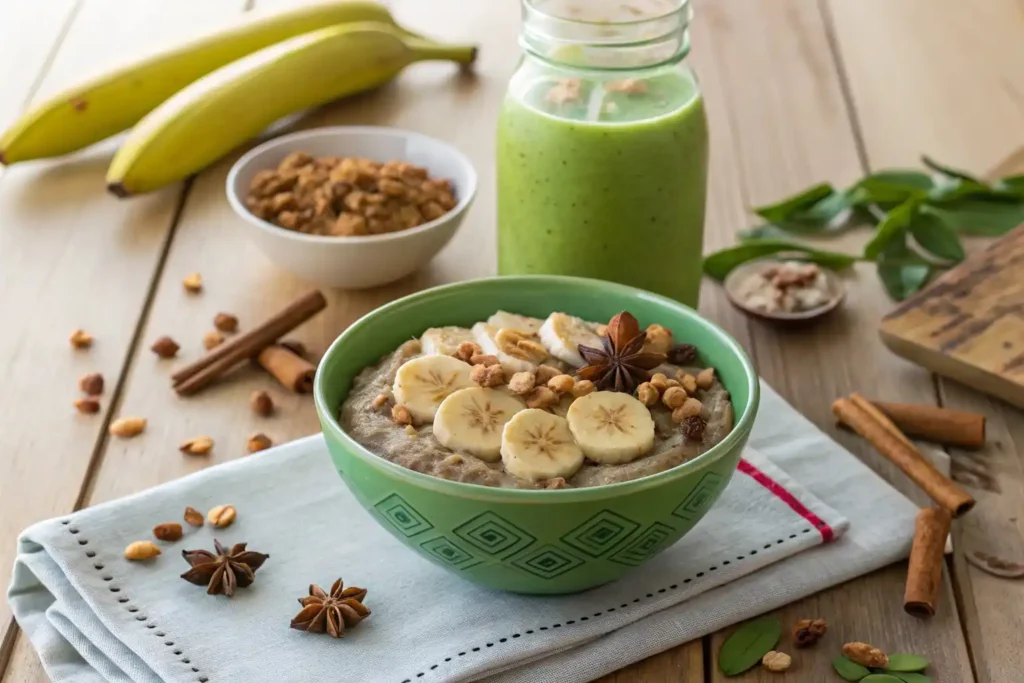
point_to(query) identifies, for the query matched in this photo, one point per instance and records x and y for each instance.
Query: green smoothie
(604, 178)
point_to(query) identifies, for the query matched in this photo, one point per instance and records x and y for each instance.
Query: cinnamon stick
(901, 452)
(288, 368)
(941, 425)
(924, 574)
(219, 360)
(878, 417)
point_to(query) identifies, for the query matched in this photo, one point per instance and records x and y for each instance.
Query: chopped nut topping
(401, 415)
(647, 394)
(658, 339)
(380, 401)
(808, 631)
(866, 655)
(690, 407)
(127, 427)
(789, 286)
(705, 378)
(541, 397)
(484, 359)
(688, 382)
(522, 383)
(91, 384)
(193, 283)
(546, 373)
(87, 406)
(168, 531)
(201, 445)
(261, 403)
(225, 322)
(630, 86)
(193, 517)
(670, 382)
(212, 339)
(566, 90)
(583, 387)
(467, 351)
(258, 442)
(563, 384)
(488, 375)
(776, 661)
(80, 339)
(659, 381)
(674, 397)
(141, 550)
(556, 483)
(165, 347)
(221, 515)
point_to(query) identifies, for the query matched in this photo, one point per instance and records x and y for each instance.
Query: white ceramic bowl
(355, 262)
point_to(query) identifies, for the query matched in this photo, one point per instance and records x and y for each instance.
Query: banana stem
(427, 50)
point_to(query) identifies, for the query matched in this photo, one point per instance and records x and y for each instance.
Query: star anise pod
(621, 364)
(224, 571)
(331, 612)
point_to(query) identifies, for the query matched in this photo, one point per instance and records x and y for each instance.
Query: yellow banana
(115, 101)
(220, 111)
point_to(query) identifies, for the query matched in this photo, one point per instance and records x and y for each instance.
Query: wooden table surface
(797, 91)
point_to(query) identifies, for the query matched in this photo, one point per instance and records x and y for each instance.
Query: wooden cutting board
(969, 323)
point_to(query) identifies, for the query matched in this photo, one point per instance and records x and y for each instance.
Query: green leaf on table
(748, 644)
(907, 677)
(763, 232)
(891, 188)
(848, 669)
(880, 678)
(974, 217)
(718, 264)
(892, 226)
(780, 211)
(902, 271)
(947, 170)
(936, 237)
(907, 663)
(1013, 184)
(956, 188)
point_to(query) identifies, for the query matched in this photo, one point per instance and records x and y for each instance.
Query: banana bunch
(192, 104)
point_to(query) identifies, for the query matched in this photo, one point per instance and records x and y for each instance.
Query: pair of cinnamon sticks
(880, 424)
(259, 344)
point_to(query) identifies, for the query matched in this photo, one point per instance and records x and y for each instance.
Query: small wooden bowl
(836, 289)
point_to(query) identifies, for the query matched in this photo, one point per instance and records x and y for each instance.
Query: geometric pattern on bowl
(699, 497)
(450, 553)
(599, 534)
(650, 541)
(493, 535)
(547, 562)
(403, 516)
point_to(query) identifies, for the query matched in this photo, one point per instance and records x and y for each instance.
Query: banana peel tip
(118, 190)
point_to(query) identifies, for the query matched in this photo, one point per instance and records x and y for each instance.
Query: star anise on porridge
(621, 364)
(224, 571)
(331, 612)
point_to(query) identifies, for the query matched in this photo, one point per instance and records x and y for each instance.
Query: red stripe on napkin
(788, 498)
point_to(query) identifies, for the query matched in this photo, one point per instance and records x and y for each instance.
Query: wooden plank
(73, 256)
(680, 664)
(963, 106)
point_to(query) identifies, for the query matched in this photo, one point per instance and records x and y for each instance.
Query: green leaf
(902, 271)
(974, 217)
(763, 232)
(780, 211)
(907, 663)
(947, 170)
(880, 678)
(718, 264)
(745, 648)
(956, 188)
(825, 210)
(849, 670)
(1013, 184)
(909, 677)
(891, 188)
(893, 225)
(936, 237)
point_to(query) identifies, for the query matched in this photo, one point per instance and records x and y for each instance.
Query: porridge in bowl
(521, 402)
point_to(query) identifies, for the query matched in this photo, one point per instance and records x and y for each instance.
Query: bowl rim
(490, 493)
(238, 206)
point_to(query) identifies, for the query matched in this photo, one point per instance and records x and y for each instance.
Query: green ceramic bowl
(558, 541)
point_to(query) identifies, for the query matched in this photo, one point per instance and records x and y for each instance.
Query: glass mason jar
(602, 152)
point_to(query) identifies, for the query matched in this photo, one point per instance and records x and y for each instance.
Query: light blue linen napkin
(800, 515)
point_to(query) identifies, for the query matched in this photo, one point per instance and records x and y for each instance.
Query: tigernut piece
(522, 383)
(807, 632)
(467, 350)
(659, 381)
(212, 339)
(488, 375)
(80, 339)
(658, 339)
(221, 515)
(582, 388)
(380, 401)
(141, 550)
(541, 397)
(562, 384)
(165, 347)
(91, 384)
(261, 403)
(193, 517)
(546, 373)
(674, 397)
(484, 359)
(168, 531)
(647, 394)
(87, 405)
(690, 407)
(225, 322)
(866, 655)
(705, 378)
(258, 442)
(776, 661)
(201, 445)
(401, 415)
(127, 427)
(193, 283)
(669, 383)
(688, 382)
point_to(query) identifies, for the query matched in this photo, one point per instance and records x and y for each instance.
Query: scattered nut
(658, 339)
(193, 283)
(546, 373)
(562, 384)
(91, 384)
(583, 387)
(484, 359)
(647, 394)
(674, 397)
(808, 631)
(165, 347)
(258, 442)
(87, 406)
(659, 381)
(200, 445)
(690, 407)
(127, 427)
(705, 378)
(488, 375)
(225, 322)
(212, 339)
(193, 517)
(776, 661)
(669, 383)
(401, 415)
(261, 403)
(141, 550)
(522, 383)
(866, 655)
(168, 531)
(541, 397)
(380, 401)
(80, 339)
(556, 483)
(467, 350)
(221, 515)
(688, 382)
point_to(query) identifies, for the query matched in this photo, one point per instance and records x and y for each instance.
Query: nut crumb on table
(788, 287)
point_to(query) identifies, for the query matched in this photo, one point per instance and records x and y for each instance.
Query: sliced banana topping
(538, 445)
(561, 334)
(501, 342)
(421, 384)
(444, 340)
(514, 321)
(611, 427)
(471, 421)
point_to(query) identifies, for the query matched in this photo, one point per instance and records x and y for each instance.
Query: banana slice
(486, 335)
(514, 321)
(471, 421)
(444, 340)
(611, 427)
(538, 445)
(561, 335)
(421, 384)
